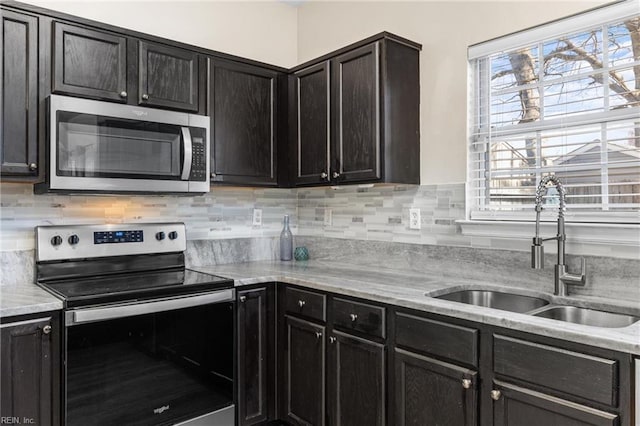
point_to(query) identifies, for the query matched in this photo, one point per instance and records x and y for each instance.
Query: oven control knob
(160, 236)
(56, 241)
(173, 235)
(73, 239)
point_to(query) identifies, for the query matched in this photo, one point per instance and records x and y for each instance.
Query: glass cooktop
(132, 286)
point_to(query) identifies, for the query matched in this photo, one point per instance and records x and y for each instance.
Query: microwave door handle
(188, 153)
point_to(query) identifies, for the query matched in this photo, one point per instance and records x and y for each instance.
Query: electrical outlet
(328, 217)
(414, 218)
(257, 217)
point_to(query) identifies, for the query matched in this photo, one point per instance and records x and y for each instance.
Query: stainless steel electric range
(147, 341)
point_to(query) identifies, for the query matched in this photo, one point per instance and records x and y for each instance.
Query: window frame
(618, 11)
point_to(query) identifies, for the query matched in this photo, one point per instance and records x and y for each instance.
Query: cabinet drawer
(306, 303)
(360, 317)
(437, 338)
(572, 373)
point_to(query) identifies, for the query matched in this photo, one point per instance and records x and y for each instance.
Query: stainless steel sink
(497, 300)
(586, 316)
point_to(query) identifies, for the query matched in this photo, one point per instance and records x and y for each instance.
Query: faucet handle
(576, 279)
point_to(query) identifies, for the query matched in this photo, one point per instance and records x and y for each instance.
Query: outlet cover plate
(414, 219)
(257, 217)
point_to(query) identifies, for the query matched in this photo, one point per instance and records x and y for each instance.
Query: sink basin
(497, 300)
(586, 316)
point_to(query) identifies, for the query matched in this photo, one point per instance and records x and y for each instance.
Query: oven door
(100, 146)
(155, 363)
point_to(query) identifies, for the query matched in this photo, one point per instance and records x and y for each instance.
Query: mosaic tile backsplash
(220, 229)
(223, 213)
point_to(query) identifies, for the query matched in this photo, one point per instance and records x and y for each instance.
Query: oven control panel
(113, 237)
(68, 242)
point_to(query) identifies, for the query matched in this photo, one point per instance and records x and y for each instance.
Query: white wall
(444, 29)
(260, 30)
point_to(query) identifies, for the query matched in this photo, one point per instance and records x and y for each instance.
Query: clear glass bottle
(286, 241)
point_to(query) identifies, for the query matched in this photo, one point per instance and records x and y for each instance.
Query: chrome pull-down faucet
(562, 278)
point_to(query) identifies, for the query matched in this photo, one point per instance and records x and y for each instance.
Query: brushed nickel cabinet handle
(318, 335)
(353, 317)
(332, 339)
(301, 303)
(323, 175)
(33, 167)
(46, 329)
(466, 383)
(123, 94)
(336, 175)
(495, 395)
(243, 299)
(145, 97)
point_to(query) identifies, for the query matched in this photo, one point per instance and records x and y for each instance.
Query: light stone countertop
(26, 299)
(392, 286)
(408, 289)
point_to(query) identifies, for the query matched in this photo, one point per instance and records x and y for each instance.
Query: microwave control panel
(199, 156)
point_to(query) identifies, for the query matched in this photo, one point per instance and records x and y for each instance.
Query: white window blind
(565, 103)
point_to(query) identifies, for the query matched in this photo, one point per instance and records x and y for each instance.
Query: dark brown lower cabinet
(356, 381)
(255, 356)
(304, 372)
(434, 393)
(29, 379)
(517, 406)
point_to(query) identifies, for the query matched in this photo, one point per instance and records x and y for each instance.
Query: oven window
(150, 369)
(98, 146)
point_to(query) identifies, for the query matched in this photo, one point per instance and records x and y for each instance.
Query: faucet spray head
(537, 254)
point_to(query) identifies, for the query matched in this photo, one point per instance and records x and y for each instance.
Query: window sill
(579, 233)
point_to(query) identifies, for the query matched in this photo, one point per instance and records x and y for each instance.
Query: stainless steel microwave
(103, 147)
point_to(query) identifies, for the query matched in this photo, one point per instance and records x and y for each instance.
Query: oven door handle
(82, 316)
(188, 153)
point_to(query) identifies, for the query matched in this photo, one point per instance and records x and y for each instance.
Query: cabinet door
(312, 118)
(89, 63)
(356, 101)
(26, 383)
(432, 392)
(168, 77)
(19, 70)
(304, 373)
(252, 357)
(243, 110)
(523, 407)
(356, 381)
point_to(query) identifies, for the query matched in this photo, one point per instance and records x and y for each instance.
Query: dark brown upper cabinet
(89, 63)
(243, 109)
(357, 115)
(313, 118)
(167, 77)
(356, 123)
(19, 119)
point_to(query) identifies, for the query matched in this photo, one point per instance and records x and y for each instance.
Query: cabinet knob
(145, 97)
(353, 317)
(213, 175)
(33, 167)
(495, 395)
(123, 94)
(335, 175)
(318, 335)
(301, 303)
(332, 339)
(243, 299)
(466, 383)
(46, 329)
(323, 175)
